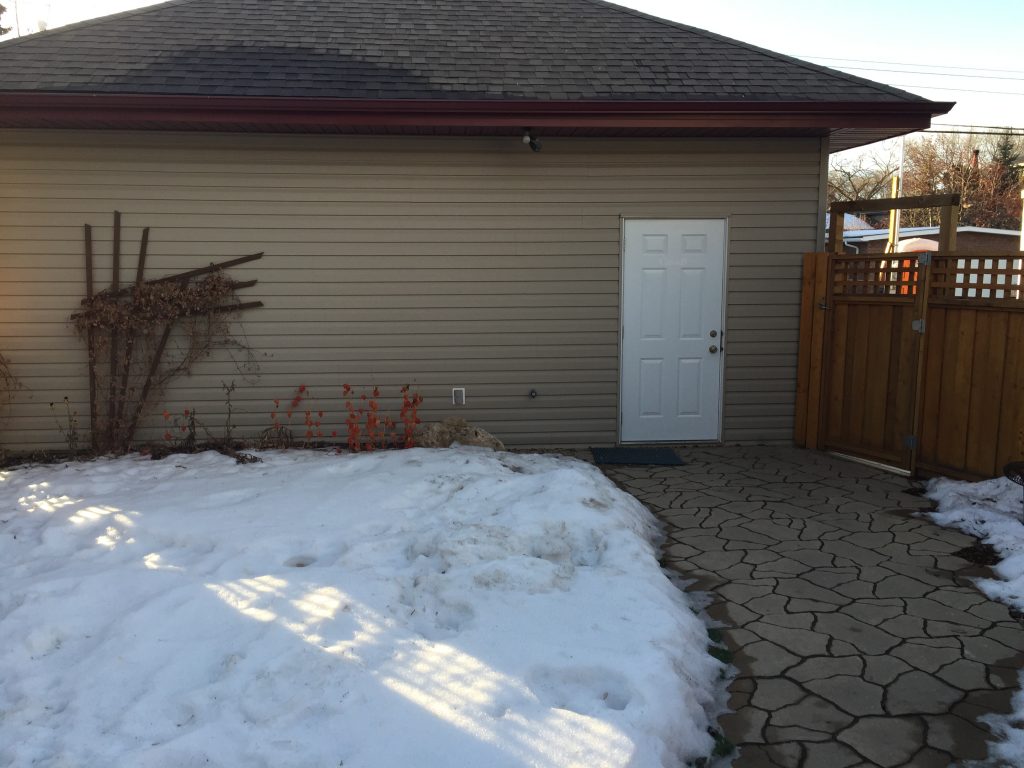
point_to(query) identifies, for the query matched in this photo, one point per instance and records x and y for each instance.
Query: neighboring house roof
(541, 52)
(863, 236)
(850, 222)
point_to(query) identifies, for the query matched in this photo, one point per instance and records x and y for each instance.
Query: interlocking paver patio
(858, 635)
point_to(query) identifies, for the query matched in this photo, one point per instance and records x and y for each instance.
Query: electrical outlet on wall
(458, 395)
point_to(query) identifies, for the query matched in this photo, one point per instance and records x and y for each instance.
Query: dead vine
(8, 383)
(150, 306)
(142, 336)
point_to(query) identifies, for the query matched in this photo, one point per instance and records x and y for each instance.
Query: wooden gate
(914, 360)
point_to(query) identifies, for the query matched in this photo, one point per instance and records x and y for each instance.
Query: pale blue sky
(922, 35)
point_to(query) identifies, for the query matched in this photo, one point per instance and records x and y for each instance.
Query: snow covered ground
(992, 511)
(414, 608)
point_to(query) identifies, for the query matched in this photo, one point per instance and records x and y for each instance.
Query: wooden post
(154, 368)
(949, 217)
(835, 231)
(115, 286)
(924, 287)
(130, 341)
(90, 340)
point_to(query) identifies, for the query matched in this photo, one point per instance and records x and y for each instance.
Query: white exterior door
(672, 287)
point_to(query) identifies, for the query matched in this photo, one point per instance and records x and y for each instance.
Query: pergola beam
(950, 205)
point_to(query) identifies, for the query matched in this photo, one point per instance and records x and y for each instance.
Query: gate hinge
(910, 442)
(917, 325)
(924, 259)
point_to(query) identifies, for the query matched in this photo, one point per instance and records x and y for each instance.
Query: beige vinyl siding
(440, 261)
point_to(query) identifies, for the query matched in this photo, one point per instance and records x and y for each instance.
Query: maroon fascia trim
(57, 110)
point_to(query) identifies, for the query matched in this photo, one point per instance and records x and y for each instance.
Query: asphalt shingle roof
(545, 50)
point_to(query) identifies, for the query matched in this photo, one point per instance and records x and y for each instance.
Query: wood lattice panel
(875, 276)
(996, 278)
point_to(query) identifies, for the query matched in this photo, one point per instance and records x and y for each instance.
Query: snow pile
(413, 608)
(991, 511)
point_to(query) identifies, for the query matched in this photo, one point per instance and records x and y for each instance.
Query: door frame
(722, 327)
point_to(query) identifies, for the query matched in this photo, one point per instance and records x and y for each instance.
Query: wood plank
(903, 407)
(861, 451)
(878, 389)
(855, 403)
(985, 411)
(837, 385)
(1010, 438)
(893, 203)
(931, 395)
(956, 389)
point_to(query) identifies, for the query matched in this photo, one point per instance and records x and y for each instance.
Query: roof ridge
(92, 22)
(817, 68)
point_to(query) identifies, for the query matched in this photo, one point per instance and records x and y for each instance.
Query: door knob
(712, 349)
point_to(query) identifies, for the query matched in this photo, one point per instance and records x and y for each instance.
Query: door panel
(672, 286)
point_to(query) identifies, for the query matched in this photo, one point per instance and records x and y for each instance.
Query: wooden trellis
(113, 430)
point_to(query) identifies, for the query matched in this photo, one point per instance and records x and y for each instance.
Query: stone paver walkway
(858, 636)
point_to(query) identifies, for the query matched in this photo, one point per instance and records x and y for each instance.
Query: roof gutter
(20, 109)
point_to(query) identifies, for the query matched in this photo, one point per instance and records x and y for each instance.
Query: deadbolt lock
(714, 334)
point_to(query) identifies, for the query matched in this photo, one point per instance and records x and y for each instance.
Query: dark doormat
(662, 457)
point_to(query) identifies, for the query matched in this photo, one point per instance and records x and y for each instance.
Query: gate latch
(917, 325)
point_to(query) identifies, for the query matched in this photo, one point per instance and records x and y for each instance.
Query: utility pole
(897, 191)
(894, 217)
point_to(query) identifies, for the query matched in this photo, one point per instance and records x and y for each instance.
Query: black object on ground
(664, 457)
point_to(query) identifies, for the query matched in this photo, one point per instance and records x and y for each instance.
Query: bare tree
(981, 169)
(941, 164)
(984, 170)
(3, 30)
(864, 177)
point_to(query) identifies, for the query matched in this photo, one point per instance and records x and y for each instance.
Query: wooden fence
(913, 361)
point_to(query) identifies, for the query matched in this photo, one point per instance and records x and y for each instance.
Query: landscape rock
(443, 434)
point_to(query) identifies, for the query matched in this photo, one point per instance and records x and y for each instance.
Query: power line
(973, 133)
(918, 64)
(958, 90)
(933, 74)
(973, 126)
